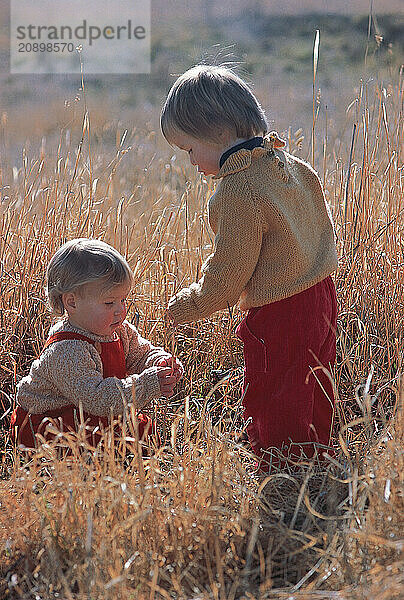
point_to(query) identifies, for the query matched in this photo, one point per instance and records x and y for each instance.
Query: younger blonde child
(93, 359)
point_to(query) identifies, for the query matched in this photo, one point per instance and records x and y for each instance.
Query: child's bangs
(116, 275)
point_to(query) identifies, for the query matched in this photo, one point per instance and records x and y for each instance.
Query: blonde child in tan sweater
(93, 359)
(273, 255)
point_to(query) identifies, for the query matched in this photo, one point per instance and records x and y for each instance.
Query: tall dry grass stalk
(316, 49)
(192, 520)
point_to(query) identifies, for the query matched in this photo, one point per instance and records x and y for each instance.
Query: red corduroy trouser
(284, 404)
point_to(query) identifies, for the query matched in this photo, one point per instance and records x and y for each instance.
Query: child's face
(202, 154)
(96, 310)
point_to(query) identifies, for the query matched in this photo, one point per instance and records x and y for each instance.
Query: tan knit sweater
(70, 371)
(274, 234)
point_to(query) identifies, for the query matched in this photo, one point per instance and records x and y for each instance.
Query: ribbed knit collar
(240, 156)
(65, 325)
(248, 144)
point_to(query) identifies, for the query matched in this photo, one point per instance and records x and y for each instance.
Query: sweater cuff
(147, 387)
(158, 355)
(183, 307)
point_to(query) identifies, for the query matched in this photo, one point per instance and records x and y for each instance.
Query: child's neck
(234, 142)
(237, 144)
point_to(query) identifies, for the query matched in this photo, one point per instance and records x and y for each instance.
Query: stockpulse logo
(48, 36)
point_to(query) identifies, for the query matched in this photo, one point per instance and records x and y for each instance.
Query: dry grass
(193, 521)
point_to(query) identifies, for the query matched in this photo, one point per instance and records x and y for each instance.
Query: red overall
(68, 417)
(284, 403)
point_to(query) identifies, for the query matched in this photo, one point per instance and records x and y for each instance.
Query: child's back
(274, 226)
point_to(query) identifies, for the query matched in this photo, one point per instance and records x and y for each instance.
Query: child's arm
(141, 354)
(237, 247)
(70, 372)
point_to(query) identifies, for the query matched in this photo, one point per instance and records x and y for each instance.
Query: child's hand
(176, 368)
(167, 381)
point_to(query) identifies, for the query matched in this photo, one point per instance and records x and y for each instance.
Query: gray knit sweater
(70, 372)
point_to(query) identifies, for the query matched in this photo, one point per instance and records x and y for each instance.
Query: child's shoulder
(303, 175)
(57, 327)
(55, 348)
(260, 163)
(61, 356)
(293, 160)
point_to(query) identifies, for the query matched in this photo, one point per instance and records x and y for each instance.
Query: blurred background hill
(198, 9)
(270, 44)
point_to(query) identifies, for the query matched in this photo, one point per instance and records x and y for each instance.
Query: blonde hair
(209, 97)
(82, 261)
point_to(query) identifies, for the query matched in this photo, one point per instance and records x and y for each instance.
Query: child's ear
(69, 300)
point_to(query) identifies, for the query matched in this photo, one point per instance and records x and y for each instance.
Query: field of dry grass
(194, 521)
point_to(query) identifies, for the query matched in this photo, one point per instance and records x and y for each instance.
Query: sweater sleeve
(237, 248)
(140, 353)
(72, 370)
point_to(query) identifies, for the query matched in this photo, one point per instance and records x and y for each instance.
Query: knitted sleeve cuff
(147, 386)
(155, 356)
(183, 307)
